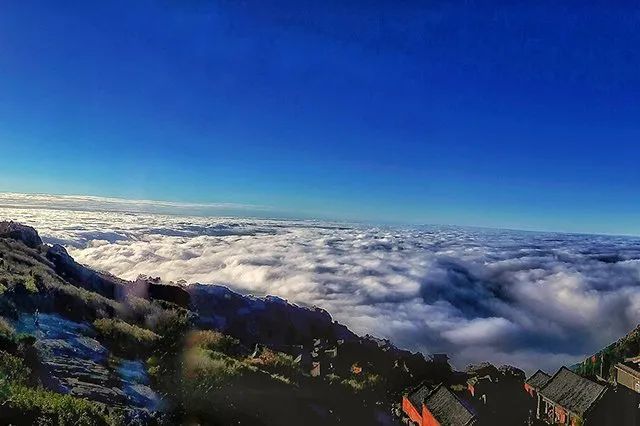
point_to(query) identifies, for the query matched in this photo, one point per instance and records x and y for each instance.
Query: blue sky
(475, 113)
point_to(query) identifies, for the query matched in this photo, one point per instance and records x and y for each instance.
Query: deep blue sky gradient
(503, 114)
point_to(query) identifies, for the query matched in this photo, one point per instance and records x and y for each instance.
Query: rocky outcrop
(28, 235)
(72, 362)
(135, 385)
(81, 276)
(269, 320)
(113, 287)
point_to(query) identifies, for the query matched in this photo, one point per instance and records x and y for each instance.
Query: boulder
(269, 320)
(28, 235)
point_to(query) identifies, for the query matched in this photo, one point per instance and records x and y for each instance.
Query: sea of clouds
(535, 300)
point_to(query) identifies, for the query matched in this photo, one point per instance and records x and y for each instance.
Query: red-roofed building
(412, 403)
(533, 384)
(439, 406)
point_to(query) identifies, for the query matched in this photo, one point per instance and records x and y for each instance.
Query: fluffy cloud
(530, 299)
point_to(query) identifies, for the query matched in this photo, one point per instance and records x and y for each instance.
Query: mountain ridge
(58, 315)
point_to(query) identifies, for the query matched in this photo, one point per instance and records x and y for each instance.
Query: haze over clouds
(536, 300)
(93, 203)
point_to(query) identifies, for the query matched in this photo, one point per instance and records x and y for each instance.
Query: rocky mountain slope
(79, 346)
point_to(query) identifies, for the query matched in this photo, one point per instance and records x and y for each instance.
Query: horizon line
(118, 204)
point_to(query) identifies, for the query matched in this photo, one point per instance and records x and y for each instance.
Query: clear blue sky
(476, 113)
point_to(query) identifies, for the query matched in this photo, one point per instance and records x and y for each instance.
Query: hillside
(602, 363)
(82, 347)
(79, 346)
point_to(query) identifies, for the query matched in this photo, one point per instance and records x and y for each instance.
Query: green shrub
(214, 341)
(367, 382)
(136, 310)
(7, 336)
(126, 339)
(80, 304)
(172, 326)
(30, 284)
(12, 369)
(25, 339)
(277, 363)
(208, 369)
(40, 407)
(5, 328)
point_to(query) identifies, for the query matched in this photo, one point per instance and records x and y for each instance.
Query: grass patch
(24, 405)
(278, 364)
(5, 328)
(28, 271)
(126, 339)
(364, 383)
(7, 336)
(214, 341)
(209, 370)
(30, 284)
(12, 369)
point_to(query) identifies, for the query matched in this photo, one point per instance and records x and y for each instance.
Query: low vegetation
(23, 403)
(202, 375)
(214, 341)
(12, 369)
(363, 383)
(277, 363)
(36, 406)
(8, 338)
(603, 363)
(6, 330)
(126, 339)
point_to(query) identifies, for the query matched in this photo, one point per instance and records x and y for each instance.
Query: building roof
(418, 394)
(448, 410)
(538, 379)
(629, 367)
(572, 392)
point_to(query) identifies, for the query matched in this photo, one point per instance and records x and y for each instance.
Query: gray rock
(28, 235)
(74, 363)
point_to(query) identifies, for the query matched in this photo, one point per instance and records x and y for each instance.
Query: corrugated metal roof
(630, 368)
(418, 394)
(447, 408)
(572, 392)
(538, 379)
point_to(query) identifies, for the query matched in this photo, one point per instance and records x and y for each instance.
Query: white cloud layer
(536, 300)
